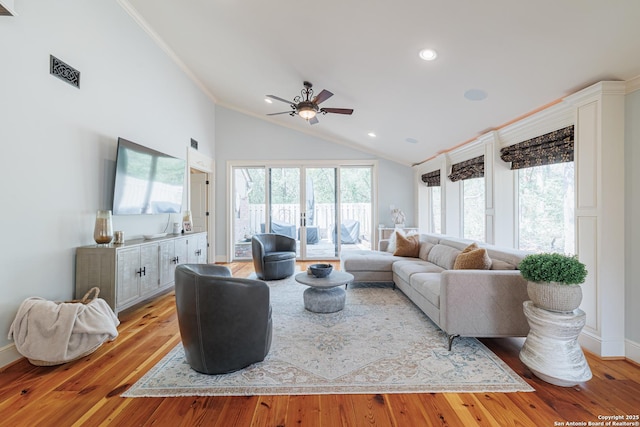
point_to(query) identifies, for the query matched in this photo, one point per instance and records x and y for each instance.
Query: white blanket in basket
(60, 332)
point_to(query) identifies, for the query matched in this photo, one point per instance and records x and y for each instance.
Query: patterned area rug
(379, 343)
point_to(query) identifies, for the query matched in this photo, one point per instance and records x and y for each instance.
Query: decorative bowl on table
(321, 270)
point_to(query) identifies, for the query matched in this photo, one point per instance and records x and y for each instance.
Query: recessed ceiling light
(372, 134)
(475, 95)
(268, 101)
(411, 140)
(428, 54)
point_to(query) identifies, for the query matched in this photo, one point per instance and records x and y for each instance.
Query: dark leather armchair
(274, 256)
(225, 322)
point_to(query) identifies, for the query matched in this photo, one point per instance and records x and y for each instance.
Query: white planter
(554, 296)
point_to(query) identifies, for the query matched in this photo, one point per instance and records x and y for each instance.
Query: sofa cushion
(366, 260)
(427, 285)
(407, 245)
(472, 258)
(508, 255)
(425, 248)
(406, 269)
(443, 256)
(497, 264)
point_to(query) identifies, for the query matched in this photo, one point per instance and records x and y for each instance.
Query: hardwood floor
(87, 391)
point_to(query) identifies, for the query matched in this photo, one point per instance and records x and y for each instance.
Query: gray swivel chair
(225, 322)
(274, 256)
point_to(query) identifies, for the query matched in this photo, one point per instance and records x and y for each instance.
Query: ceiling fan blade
(277, 98)
(282, 112)
(322, 96)
(313, 120)
(337, 110)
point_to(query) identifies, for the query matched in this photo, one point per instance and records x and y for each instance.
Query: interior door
(199, 205)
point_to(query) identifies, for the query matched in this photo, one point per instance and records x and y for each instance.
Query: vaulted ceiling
(520, 55)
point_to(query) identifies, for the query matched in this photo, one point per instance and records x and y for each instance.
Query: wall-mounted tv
(146, 181)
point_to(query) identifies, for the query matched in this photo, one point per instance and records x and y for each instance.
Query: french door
(326, 209)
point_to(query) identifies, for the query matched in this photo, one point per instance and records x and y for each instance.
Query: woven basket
(36, 362)
(554, 296)
(91, 295)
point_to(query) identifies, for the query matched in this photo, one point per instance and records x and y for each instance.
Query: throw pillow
(407, 245)
(472, 258)
(391, 247)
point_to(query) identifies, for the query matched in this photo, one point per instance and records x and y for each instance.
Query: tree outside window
(546, 208)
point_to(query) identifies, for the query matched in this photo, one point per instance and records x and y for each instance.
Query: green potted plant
(554, 280)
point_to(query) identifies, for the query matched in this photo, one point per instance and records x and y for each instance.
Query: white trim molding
(8, 355)
(632, 351)
(203, 163)
(633, 85)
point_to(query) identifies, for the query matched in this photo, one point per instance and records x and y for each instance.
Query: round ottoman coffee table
(324, 295)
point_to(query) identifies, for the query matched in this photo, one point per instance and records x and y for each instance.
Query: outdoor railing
(322, 216)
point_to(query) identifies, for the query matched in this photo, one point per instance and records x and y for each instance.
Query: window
(432, 181)
(473, 209)
(546, 208)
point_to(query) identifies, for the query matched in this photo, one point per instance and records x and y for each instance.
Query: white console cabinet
(137, 270)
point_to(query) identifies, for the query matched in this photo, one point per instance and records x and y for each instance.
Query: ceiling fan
(306, 105)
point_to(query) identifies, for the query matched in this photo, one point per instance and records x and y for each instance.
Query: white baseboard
(597, 346)
(632, 350)
(8, 355)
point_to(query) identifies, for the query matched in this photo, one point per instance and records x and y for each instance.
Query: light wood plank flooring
(87, 391)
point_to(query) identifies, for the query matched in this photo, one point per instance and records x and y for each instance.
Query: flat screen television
(146, 181)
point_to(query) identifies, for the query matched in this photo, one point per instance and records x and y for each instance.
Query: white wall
(243, 137)
(632, 213)
(59, 142)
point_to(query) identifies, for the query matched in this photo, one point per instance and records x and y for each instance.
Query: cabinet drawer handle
(199, 252)
(175, 260)
(142, 272)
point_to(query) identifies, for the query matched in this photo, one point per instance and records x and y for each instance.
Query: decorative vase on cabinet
(103, 230)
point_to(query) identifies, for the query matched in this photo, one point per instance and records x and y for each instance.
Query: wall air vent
(64, 71)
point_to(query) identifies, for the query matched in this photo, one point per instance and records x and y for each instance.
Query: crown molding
(633, 85)
(553, 118)
(595, 91)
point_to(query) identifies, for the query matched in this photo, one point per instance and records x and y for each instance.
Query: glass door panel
(325, 209)
(320, 212)
(249, 208)
(284, 197)
(356, 195)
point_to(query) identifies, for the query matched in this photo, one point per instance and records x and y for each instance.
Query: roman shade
(472, 168)
(550, 148)
(432, 179)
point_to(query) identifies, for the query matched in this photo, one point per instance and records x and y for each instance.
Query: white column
(599, 159)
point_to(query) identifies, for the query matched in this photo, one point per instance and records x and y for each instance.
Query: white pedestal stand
(551, 349)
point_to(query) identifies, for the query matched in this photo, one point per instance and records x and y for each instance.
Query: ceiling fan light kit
(306, 106)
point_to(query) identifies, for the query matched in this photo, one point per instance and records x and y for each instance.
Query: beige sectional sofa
(476, 303)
